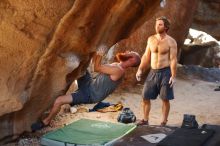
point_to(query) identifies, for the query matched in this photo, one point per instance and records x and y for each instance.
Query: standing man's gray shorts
(157, 83)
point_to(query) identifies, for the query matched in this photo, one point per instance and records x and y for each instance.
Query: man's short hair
(165, 21)
(123, 57)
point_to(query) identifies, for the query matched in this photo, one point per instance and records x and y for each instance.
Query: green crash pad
(86, 132)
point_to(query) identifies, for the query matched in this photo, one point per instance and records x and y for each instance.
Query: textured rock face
(197, 72)
(207, 17)
(205, 55)
(45, 45)
(200, 49)
(25, 28)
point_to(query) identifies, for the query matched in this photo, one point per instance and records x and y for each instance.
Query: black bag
(189, 122)
(187, 137)
(126, 116)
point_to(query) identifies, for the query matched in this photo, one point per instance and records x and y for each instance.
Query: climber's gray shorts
(157, 83)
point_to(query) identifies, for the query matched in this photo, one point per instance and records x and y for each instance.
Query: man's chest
(161, 47)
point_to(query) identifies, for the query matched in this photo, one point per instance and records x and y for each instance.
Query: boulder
(197, 72)
(207, 17)
(45, 45)
(206, 54)
(200, 49)
(197, 37)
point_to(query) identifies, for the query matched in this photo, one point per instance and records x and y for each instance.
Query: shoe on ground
(142, 123)
(37, 126)
(163, 124)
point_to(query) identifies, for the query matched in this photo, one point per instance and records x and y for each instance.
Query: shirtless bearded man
(161, 56)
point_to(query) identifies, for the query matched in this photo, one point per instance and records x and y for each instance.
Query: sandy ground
(191, 97)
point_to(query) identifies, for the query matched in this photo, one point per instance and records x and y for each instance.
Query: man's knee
(146, 101)
(59, 101)
(166, 101)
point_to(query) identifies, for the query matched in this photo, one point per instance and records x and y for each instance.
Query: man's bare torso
(160, 51)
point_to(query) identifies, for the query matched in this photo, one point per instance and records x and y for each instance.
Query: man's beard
(122, 57)
(160, 31)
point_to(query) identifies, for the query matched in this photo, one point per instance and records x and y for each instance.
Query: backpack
(189, 122)
(126, 116)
